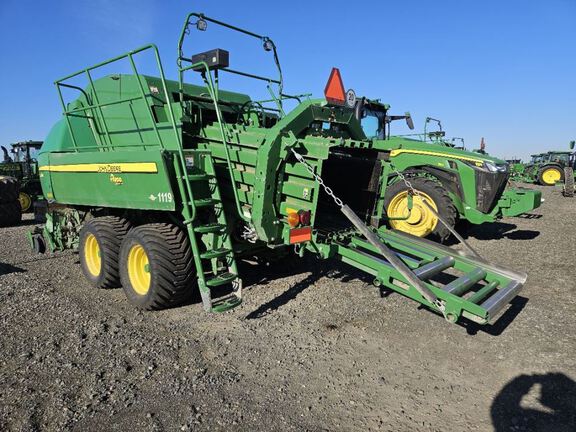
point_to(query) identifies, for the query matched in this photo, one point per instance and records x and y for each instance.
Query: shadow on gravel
(529, 216)
(331, 269)
(9, 268)
(498, 230)
(496, 329)
(536, 403)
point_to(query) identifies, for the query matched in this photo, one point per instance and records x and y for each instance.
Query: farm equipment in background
(10, 212)
(163, 186)
(21, 163)
(517, 169)
(568, 188)
(550, 168)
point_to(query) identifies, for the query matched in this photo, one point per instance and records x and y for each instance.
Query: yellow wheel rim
(551, 176)
(421, 221)
(139, 269)
(25, 201)
(92, 255)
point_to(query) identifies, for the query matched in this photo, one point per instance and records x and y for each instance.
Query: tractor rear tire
(9, 189)
(548, 176)
(157, 267)
(100, 240)
(10, 214)
(421, 222)
(568, 182)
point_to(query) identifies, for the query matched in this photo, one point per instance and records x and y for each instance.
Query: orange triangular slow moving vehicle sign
(334, 91)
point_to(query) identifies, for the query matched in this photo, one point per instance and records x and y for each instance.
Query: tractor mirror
(572, 144)
(409, 121)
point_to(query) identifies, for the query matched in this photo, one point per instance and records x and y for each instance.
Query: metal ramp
(465, 286)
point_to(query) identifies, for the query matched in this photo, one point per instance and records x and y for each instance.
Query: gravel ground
(318, 349)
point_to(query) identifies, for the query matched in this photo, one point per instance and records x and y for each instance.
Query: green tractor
(21, 163)
(458, 184)
(551, 167)
(163, 186)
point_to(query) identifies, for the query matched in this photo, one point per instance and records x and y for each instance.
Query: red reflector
(300, 235)
(334, 91)
(305, 217)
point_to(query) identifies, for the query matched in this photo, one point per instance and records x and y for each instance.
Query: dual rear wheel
(153, 262)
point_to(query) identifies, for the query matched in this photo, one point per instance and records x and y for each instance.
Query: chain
(406, 182)
(328, 191)
(440, 304)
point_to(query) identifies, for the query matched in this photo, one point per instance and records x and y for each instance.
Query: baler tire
(10, 214)
(436, 192)
(108, 233)
(9, 189)
(157, 266)
(568, 182)
(544, 170)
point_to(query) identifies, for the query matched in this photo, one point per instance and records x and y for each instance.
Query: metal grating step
(215, 253)
(210, 228)
(205, 202)
(221, 279)
(199, 177)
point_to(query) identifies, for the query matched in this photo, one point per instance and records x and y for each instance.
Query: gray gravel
(318, 349)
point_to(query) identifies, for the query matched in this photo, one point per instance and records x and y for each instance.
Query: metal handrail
(129, 55)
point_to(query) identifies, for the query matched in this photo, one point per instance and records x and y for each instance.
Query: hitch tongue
(392, 258)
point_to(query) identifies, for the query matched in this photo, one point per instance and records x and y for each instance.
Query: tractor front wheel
(548, 176)
(156, 266)
(9, 188)
(420, 221)
(25, 201)
(100, 240)
(10, 214)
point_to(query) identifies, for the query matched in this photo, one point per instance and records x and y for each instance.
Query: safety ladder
(208, 231)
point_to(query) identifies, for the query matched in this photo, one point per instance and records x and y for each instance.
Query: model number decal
(163, 197)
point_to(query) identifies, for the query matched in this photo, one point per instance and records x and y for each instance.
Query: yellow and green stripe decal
(396, 152)
(121, 167)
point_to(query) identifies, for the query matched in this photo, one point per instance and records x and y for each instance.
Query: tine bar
(496, 302)
(435, 267)
(463, 283)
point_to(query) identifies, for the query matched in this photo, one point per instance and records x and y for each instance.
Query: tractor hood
(399, 145)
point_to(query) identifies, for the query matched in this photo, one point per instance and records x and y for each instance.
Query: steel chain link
(310, 169)
(440, 304)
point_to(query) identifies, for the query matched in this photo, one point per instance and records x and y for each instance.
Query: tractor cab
(374, 119)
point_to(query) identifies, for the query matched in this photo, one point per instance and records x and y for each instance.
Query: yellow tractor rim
(92, 255)
(551, 176)
(139, 269)
(25, 201)
(421, 221)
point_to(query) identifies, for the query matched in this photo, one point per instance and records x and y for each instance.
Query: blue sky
(503, 70)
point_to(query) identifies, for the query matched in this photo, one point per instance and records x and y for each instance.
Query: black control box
(215, 59)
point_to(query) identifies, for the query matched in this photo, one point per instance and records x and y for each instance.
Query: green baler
(163, 186)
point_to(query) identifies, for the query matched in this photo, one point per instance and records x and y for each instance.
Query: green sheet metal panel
(120, 179)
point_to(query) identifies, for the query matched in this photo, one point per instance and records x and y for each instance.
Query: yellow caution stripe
(123, 167)
(396, 152)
